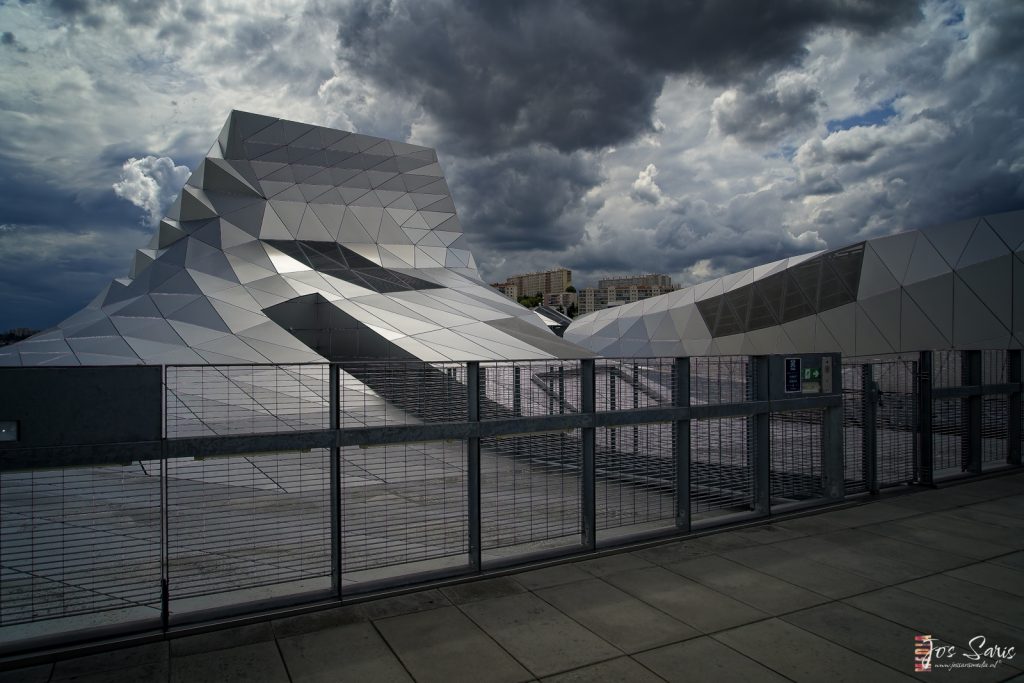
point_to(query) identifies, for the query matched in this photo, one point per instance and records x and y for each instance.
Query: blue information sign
(793, 375)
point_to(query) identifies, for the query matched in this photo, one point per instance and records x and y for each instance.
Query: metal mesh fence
(948, 436)
(994, 367)
(380, 393)
(947, 369)
(720, 379)
(635, 480)
(896, 421)
(854, 465)
(994, 427)
(80, 541)
(530, 491)
(796, 459)
(721, 467)
(625, 384)
(403, 507)
(219, 400)
(529, 389)
(241, 523)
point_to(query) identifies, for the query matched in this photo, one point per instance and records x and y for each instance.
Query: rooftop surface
(837, 596)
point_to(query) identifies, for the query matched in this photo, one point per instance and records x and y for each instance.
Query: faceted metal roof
(288, 234)
(955, 286)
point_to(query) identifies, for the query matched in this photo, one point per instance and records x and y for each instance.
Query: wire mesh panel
(529, 388)
(854, 466)
(530, 492)
(79, 547)
(378, 393)
(947, 369)
(720, 379)
(994, 366)
(635, 478)
(896, 421)
(624, 384)
(796, 459)
(994, 425)
(245, 399)
(721, 467)
(403, 509)
(949, 439)
(242, 528)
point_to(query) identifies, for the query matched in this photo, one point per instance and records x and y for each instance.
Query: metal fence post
(869, 427)
(473, 464)
(925, 469)
(761, 432)
(334, 405)
(1013, 407)
(165, 579)
(589, 436)
(681, 436)
(833, 465)
(972, 413)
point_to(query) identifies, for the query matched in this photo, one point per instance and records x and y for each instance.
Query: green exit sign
(812, 373)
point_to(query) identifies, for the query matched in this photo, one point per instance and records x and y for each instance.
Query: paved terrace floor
(834, 596)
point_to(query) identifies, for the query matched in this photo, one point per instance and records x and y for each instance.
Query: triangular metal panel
(875, 277)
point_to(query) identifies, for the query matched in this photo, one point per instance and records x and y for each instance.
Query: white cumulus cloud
(645, 189)
(151, 183)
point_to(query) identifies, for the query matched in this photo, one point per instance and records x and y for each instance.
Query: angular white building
(294, 243)
(956, 286)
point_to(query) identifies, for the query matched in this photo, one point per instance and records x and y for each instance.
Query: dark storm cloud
(758, 113)
(529, 198)
(577, 75)
(519, 90)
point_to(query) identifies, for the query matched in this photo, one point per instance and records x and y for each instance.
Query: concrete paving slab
(444, 645)
(620, 562)
(874, 637)
(853, 559)
(932, 501)
(829, 581)
(354, 652)
(1013, 560)
(890, 549)
(222, 639)
(618, 670)
(766, 593)
(27, 674)
(993, 488)
(705, 659)
(981, 600)
(255, 663)
(316, 621)
(767, 533)
(624, 621)
(551, 576)
(994, 576)
(811, 525)
(995, 520)
(688, 601)
(142, 656)
(420, 601)
(955, 522)
(943, 621)
(943, 540)
(539, 636)
(869, 513)
(803, 656)
(472, 591)
(1001, 507)
(146, 673)
(670, 553)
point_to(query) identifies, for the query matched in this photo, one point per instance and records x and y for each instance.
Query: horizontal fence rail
(273, 486)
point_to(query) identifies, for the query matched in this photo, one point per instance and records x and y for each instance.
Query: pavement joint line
(523, 664)
(387, 644)
(280, 653)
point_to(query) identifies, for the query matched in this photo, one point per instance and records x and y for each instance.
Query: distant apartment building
(509, 289)
(560, 300)
(615, 291)
(547, 282)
